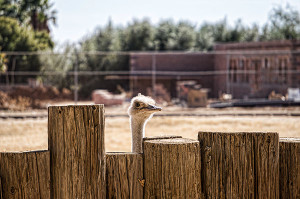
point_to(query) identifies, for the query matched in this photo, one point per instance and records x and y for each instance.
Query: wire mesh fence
(243, 74)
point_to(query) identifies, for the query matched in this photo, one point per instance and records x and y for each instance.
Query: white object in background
(294, 94)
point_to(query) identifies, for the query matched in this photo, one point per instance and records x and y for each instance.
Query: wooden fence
(217, 165)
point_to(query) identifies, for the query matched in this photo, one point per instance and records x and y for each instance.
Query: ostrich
(140, 111)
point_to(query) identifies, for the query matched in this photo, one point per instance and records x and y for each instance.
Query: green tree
(104, 39)
(220, 31)
(3, 62)
(185, 36)
(9, 8)
(61, 63)
(283, 24)
(252, 33)
(138, 36)
(14, 37)
(39, 12)
(204, 38)
(165, 35)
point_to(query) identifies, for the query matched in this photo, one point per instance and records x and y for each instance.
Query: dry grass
(31, 134)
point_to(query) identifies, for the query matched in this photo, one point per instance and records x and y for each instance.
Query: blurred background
(212, 65)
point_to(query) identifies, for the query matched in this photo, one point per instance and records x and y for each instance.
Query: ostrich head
(140, 111)
(142, 108)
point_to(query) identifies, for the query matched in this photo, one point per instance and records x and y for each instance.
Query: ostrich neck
(137, 129)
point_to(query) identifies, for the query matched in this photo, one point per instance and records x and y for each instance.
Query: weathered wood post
(171, 168)
(289, 166)
(25, 175)
(77, 153)
(124, 175)
(239, 165)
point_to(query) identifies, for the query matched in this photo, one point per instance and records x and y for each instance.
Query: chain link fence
(242, 74)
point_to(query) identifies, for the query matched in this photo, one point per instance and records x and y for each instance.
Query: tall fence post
(239, 165)
(289, 166)
(171, 168)
(25, 175)
(124, 175)
(77, 153)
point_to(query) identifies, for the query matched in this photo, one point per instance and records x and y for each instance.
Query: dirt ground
(31, 134)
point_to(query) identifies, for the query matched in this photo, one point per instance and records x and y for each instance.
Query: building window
(285, 70)
(279, 71)
(247, 69)
(234, 74)
(242, 71)
(266, 64)
(232, 71)
(282, 70)
(284, 76)
(256, 63)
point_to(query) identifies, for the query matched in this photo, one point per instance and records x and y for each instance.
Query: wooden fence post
(124, 175)
(25, 175)
(239, 165)
(289, 166)
(171, 168)
(77, 153)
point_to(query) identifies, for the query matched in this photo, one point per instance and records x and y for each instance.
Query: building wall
(172, 62)
(270, 69)
(243, 69)
(182, 62)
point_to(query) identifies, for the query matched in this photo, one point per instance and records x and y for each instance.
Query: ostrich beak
(153, 108)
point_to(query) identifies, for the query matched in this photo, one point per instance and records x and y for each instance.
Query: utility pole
(153, 74)
(227, 74)
(76, 78)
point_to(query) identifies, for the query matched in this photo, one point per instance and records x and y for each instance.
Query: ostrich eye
(137, 104)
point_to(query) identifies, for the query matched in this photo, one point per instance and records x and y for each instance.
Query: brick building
(169, 69)
(256, 68)
(243, 69)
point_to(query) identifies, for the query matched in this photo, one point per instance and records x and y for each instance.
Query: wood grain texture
(77, 153)
(25, 175)
(289, 164)
(124, 175)
(239, 165)
(172, 168)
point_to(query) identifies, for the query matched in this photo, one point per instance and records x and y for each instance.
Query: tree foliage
(141, 35)
(14, 37)
(3, 62)
(37, 13)
(24, 27)
(283, 24)
(138, 36)
(61, 63)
